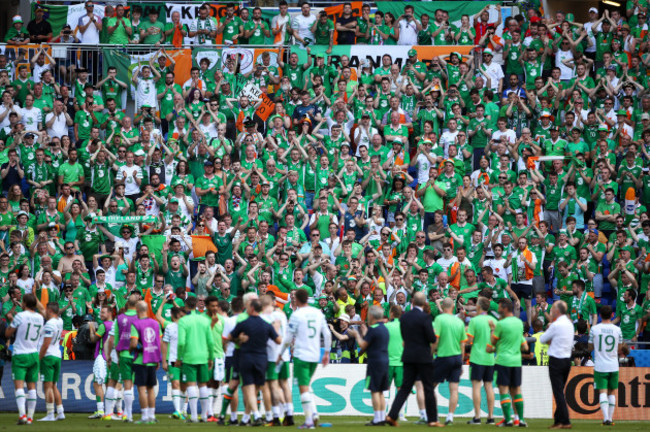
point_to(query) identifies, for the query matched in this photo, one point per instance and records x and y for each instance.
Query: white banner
(340, 390)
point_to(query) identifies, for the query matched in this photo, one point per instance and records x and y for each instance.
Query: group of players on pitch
(201, 351)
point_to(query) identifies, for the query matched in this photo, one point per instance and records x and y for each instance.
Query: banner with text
(374, 53)
(632, 399)
(339, 390)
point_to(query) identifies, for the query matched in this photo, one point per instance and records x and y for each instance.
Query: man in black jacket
(418, 336)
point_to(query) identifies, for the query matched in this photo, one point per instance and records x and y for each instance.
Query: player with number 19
(606, 341)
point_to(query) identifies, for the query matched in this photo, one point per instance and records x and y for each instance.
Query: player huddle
(205, 352)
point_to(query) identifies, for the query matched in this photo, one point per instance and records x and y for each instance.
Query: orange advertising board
(632, 397)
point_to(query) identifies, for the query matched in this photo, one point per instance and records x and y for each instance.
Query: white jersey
(145, 93)
(32, 118)
(171, 337)
(605, 338)
(273, 349)
(28, 327)
(228, 325)
(53, 329)
(306, 326)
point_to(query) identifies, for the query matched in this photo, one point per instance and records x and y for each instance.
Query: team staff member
(374, 342)
(419, 339)
(450, 347)
(481, 363)
(559, 337)
(508, 342)
(121, 331)
(252, 335)
(395, 350)
(145, 340)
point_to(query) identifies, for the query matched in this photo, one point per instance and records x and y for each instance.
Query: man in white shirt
(57, 121)
(492, 70)
(301, 25)
(606, 341)
(559, 337)
(408, 27)
(89, 26)
(145, 84)
(281, 24)
(32, 116)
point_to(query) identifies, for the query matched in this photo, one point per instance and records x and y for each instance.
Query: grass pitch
(80, 423)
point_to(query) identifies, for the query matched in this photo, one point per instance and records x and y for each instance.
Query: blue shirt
(258, 332)
(377, 350)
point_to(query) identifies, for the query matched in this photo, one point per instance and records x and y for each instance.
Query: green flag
(456, 9)
(155, 245)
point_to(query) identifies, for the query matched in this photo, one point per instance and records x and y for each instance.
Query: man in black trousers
(559, 337)
(417, 332)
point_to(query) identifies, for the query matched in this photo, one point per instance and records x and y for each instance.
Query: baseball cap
(593, 9)
(545, 114)
(488, 51)
(603, 127)
(208, 163)
(29, 135)
(593, 231)
(322, 297)
(621, 112)
(88, 317)
(627, 248)
(645, 116)
(554, 127)
(320, 55)
(449, 161)
(345, 317)
(173, 200)
(17, 19)
(398, 141)
(139, 152)
(412, 52)
(22, 213)
(563, 231)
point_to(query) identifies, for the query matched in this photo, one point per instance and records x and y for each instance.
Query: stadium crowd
(517, 172)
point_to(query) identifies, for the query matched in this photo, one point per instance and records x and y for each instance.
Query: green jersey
(395, 343)
(217, 331)
(451, 334)
(510, 336)
(479, 329)
(195, 339)
(629, 317)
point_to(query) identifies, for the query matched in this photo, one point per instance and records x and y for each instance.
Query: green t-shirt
(451, 333)
(395, 343)
(156, 34)
(629, 317)
(479, 329)
(608, 209)
(510, 336)
(217, 331)
(119, 36)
